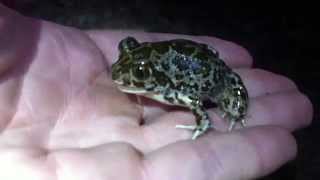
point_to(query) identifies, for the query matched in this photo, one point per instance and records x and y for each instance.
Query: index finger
(233, 54)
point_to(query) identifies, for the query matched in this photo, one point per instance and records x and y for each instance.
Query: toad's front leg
(203, 122)
(234, 102)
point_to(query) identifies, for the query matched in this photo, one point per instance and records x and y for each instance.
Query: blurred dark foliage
(280, 36)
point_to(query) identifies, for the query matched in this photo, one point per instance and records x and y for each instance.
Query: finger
(260, 82)
(233, 54)
(259, 151)
(288, 110)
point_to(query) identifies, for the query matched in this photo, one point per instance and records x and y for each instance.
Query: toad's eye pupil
(141, 73)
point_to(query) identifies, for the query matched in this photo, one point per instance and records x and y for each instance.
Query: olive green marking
(165, 65)
(138, 84)
(180, 101)
(169, 99)
(179, 76)
(160, 48)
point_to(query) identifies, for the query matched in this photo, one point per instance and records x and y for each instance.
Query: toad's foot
(198, 130)
(233, 123)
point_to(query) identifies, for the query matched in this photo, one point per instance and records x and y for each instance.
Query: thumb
(18, 44)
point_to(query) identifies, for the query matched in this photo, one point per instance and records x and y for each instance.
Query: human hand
(61, 117)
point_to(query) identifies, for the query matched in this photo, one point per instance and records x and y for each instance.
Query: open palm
(61, 117)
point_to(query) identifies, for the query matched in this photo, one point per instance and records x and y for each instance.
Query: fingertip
(307, 108)
(274, 146)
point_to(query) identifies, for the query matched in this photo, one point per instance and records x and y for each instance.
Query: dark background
(280, 36)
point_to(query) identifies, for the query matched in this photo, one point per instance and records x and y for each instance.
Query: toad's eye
(141, 72)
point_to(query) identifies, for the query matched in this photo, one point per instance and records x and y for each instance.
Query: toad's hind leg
(203, 122)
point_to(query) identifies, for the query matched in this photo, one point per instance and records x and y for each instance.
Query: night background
(280, 37)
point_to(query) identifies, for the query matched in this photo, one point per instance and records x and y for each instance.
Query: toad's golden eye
(141, 72)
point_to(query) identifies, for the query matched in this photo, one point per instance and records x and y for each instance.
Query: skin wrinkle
(58, 42)
(61, 44)
(60, 119)
(237, 138)
(57, 39)
(197, 157)
(52, 164)
(29, 109)
(43, 158)
(104, 52)
(71, 93)
(140, 166)
(139, 156)
(148, 142)
(259, 167)
(15, 100)
(206, 157)
(100, 52)
(144, 168)
(98, 55)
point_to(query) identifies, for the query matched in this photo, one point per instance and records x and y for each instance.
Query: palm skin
(61, 117)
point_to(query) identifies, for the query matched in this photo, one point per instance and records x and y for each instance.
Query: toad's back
(190, 67)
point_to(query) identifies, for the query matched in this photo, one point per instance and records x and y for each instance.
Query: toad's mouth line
(131, 90)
